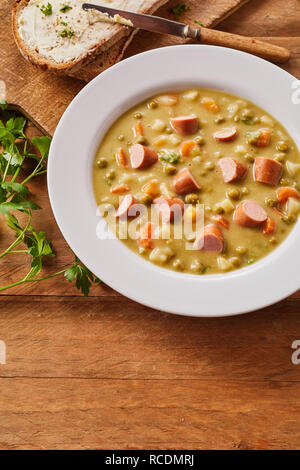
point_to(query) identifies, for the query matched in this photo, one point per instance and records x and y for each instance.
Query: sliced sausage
(169, 208)
(226, 134)
(210, 239)
(184, 182)
(249, 214)
(185, 125)
(232, 170)
(142, 157)
(125, 205)
(267, 171)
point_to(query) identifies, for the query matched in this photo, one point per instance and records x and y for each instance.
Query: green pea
(209, 166)
(169, 169)
(101, 163)
(138, 115)
(152, 104)
(241, 250)
(199, 140)
(271, 202)
(178, 264)
(144, 199)
(235, 261)
(282, 146)
(195, 151)
(140, 139)
(249, 157)
(191, 198)
(111, 174)
(218, 209)
(121, 137)
(233, 193)
(247, 113)
(219, 119)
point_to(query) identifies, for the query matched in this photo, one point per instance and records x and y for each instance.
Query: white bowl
(73, 149)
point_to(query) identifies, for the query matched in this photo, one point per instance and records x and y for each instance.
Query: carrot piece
(210, 105)
(221, 220)
(167, 100)
(144, 237)
(284, 193)
(138, 129)
(264, 138)
(120, 157)
(269, 226)
(120, 189)
(186, 147)
(151, 188)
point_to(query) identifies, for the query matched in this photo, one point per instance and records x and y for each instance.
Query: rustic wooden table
(107, 373)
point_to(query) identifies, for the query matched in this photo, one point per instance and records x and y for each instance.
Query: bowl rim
(80, 131)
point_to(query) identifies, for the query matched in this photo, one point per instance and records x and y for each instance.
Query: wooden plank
(265, 18)
(114, 338)
(45, 96)
(138, 414)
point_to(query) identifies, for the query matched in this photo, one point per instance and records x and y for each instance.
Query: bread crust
(88, 66)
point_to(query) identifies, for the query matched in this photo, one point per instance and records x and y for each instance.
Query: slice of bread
(73, 42)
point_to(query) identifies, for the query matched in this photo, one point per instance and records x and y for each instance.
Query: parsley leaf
(82, 276)
(66, 33)
(38, 248)
(43, 144)
(46, 9)
(13, 223)
(199, 22)
(65, 8)
(203, 270)
(179, 9)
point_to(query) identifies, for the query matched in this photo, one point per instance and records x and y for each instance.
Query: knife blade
(155, 24)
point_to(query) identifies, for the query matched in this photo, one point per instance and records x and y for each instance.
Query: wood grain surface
(107, 373)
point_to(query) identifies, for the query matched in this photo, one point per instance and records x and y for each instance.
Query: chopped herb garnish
(65, 8)
(64, 23)
(108, 181)
(179, 9)
(248, 122)
(199, 22)
(250, 261)
(46, 9)
(169, 156)
(204, 269)
(287, 220)
(66, 33)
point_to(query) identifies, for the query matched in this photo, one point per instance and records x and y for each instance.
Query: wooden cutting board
(43, 97)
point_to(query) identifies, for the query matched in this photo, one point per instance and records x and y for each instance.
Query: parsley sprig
(14, 200)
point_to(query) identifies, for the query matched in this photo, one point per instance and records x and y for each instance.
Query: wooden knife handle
(242, 43)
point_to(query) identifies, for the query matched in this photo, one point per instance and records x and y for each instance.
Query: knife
(160, 25)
